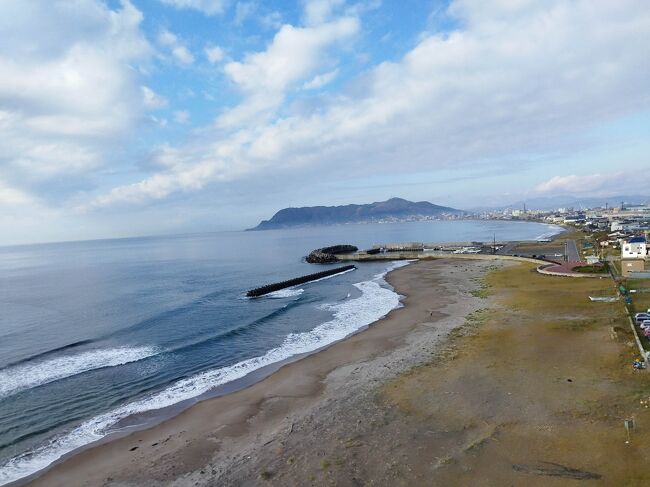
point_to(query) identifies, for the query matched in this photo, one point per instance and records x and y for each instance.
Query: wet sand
(504, 378)
(214, 440)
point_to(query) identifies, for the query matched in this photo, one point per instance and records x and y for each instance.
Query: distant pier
(270, 288)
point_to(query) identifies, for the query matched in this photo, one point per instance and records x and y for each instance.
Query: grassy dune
(535, 393)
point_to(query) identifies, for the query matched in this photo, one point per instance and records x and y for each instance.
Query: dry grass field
(535, 395)
(640, 299)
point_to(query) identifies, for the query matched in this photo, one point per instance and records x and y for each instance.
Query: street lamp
(566, 251)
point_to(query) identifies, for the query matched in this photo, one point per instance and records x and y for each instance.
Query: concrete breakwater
(269, 288)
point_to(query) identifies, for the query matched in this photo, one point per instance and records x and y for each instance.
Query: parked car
(645, 324)
(641, 316)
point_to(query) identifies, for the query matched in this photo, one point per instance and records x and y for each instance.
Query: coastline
(349, 317)
(195, 447)
(150, 410)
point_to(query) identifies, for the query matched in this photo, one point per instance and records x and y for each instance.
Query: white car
(645, 324)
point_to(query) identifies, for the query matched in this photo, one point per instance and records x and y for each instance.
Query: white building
(592, 259)
(634, 248)
(616, 226)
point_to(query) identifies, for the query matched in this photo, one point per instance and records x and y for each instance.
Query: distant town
(622, 217)
(607, 239)
(619, 234)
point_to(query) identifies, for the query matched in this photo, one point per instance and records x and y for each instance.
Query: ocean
(99, 337)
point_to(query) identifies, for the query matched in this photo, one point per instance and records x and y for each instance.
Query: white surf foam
(396, 264)
(349, 316)
(24, 376)
(285, 293)
(553, 230)
(291, 292)
(330, 277)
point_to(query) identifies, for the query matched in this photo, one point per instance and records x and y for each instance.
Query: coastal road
(572, 251)
(507, 249)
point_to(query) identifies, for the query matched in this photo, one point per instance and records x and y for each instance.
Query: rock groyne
(327, 255)
(269, 288)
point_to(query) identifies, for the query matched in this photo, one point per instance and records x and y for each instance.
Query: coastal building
(634, 248)
(575, 219)
(616, 226)
(631, 266)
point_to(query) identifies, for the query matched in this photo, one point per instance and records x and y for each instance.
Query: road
(507, 249)
(572, 251)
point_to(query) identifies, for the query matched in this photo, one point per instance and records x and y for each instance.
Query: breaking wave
(34, 373)
(349, 316)
(286, 293)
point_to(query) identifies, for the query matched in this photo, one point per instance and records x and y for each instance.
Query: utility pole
(566, 251)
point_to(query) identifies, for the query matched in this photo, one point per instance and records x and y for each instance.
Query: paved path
(572, 251)
(507, 249)
(566, 269)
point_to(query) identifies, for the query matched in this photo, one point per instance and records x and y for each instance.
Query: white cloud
(152, 100)
(167, 38)
(182, 116)
(48, 159)
(620, 182)
(208, 7)
(214, 54)
(293, 55)
(10, 197)
(243, 11)
(183, 55)
(178, 49)
(576, 184)
(22, 216)
(160, 122)
(68, 89)
(321, 80)
(518, 77)
(320, 11)
(272, 20)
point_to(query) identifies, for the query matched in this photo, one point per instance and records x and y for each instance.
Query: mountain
(392, 209)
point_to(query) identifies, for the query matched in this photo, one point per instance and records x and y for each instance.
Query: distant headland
(392, 210)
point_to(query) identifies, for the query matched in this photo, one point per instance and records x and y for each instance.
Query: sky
(145, 117)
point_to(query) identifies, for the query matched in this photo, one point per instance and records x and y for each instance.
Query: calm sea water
(93, 334)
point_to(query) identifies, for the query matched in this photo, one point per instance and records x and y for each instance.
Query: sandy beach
(489, 375)
(218, 436)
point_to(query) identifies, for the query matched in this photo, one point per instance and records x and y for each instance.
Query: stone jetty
(269, 288)
(327, 255)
